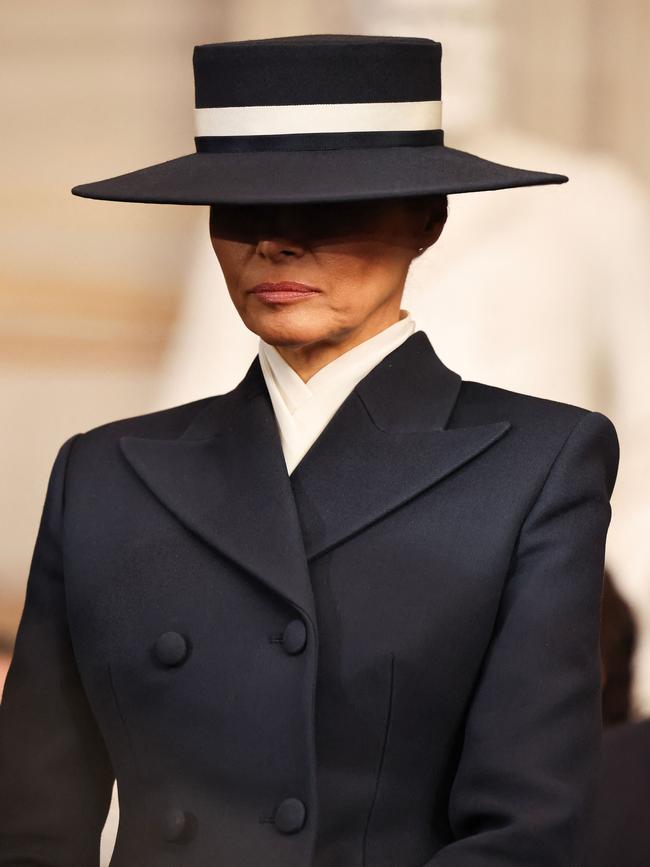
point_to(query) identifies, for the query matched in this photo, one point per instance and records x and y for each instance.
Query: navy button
(178, 826)
(294, 636)
(290, 815)
(170, 648)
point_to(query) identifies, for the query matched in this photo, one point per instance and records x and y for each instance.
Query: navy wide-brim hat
(312, 118)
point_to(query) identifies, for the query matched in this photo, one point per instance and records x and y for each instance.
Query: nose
(277, 248)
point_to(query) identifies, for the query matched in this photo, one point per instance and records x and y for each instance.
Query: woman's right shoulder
(100, 442)
(170, 421)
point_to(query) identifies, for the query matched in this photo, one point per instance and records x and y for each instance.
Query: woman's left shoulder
(530, 413)
(540, 428)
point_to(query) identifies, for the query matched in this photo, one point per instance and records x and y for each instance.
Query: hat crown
(317, 69)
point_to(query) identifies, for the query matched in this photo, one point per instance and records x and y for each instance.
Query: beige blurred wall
(577, 72)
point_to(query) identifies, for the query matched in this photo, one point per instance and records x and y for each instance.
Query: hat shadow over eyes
(360, 219)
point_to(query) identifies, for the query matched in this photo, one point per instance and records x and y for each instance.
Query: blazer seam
(387, 726)
(117, 703)
(367, 410)
(71, 442)
(64, 475)
(385, 430)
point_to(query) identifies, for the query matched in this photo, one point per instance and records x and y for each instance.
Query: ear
(434, 228)
(435, 223)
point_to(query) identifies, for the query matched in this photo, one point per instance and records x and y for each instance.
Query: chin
(280, 329)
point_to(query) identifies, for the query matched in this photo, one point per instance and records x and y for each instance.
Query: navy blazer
(388, 659)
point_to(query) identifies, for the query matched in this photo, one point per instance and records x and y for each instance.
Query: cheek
(232, 258)
(359, 275)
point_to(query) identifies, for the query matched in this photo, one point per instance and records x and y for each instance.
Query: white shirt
(303, 409)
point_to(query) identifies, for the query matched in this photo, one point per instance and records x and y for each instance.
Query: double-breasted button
(290, 815)
(170, 648)
(178, 825)
(294, 636)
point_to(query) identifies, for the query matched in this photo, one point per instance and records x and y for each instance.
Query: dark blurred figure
(618, 646)
(620, 831)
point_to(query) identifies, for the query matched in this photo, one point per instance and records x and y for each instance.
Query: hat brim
(277, 177)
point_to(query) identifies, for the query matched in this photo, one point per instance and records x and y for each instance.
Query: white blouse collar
(340, 374)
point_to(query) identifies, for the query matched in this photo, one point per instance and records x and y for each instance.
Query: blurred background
(114, 309)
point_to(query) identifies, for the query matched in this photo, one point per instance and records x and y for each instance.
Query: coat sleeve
(55, 774)
(524, 786)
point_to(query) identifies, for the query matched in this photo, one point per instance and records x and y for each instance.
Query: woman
(348, 612)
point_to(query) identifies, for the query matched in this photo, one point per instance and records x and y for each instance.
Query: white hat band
(251, 120)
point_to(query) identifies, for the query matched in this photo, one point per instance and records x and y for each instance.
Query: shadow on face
(389, 219)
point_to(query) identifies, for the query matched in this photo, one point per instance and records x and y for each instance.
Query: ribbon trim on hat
(322, 126)
(328, 117)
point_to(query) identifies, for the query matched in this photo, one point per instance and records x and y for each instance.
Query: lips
(283, 291)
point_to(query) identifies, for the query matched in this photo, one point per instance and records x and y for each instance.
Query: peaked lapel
(388, 442)
(225, 477)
